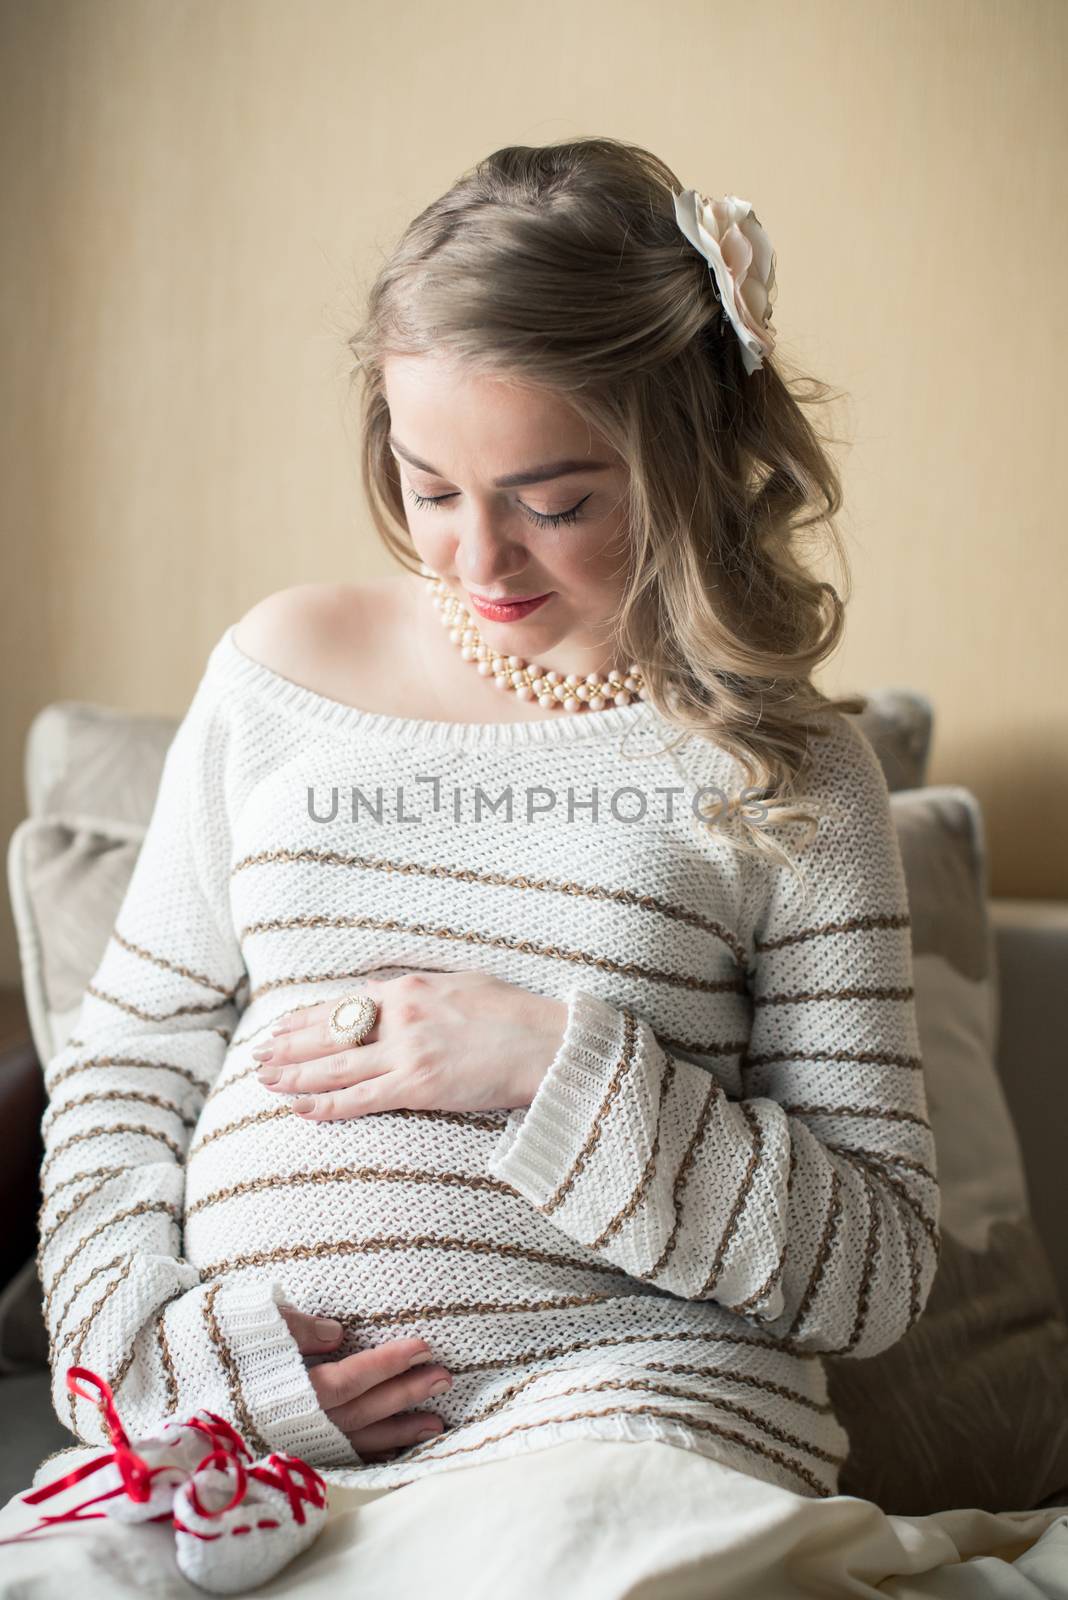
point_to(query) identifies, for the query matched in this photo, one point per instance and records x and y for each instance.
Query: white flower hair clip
(727, 232)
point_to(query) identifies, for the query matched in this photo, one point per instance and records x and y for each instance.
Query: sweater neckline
(557, 728)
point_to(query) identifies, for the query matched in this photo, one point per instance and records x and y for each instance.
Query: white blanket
(593, 1519)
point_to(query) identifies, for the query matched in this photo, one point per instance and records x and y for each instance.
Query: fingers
(338, 1071)
(300, 1017)
(337, 1382)
(315, 1336)
(306, 1031)
(386, 1401)
(372, 1094)
(382, 1440)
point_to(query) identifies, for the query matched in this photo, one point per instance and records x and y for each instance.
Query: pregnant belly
(389, 1221)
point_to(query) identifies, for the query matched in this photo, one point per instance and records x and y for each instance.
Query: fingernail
(304, 1104)
(264, 1053)
(427, 1355)
(440, 1386)
(428, 1433)
(327, 1328)
(268, 1074)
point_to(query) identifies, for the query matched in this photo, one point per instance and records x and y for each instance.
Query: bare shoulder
(304, 632)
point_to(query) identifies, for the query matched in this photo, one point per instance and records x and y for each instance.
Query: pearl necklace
(526, 680)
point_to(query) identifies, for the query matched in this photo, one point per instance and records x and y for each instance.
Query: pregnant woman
(637, 1131)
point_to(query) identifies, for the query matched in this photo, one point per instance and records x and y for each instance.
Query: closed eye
(537, 517)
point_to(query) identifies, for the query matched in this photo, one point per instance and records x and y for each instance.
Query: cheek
(432, 545)
(593, 556)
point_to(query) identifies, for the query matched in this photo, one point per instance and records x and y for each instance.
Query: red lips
(511, 611)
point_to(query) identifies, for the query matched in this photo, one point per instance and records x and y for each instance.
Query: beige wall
(195, 194)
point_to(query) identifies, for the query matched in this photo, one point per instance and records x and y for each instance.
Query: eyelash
(536, 517)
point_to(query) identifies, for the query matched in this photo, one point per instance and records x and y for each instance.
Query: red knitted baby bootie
(236, 1526)
(136, 1483)
(171, 1455)
(236, 1521)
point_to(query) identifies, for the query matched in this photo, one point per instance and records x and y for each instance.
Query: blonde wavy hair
(562, 266)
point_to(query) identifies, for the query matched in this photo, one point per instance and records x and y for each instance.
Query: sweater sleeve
(810, 1206)
(124, 1095)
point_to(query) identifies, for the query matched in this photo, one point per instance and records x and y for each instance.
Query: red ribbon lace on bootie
(300, 1482)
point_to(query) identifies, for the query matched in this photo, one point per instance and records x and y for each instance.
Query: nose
(485, 553)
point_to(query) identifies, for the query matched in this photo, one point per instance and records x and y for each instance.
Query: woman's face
(508, 495)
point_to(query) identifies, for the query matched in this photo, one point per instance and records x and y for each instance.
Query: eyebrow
(513, 480)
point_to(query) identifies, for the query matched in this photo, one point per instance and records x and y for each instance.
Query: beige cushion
(970, 1408)
(898, 723)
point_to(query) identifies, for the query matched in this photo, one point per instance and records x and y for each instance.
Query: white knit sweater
(726, 1173)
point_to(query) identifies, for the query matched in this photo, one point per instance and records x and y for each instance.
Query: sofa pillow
(83, 759)
(67, 877)
(970, 1408)
(898, 724)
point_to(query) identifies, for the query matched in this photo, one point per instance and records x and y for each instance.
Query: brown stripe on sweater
(81, 1333)
(96, 1096)
(480, 1121)
(222, 1084)
(850, 1058)
(878, 1113)
(810, 996)
(101, 1266)
(626, 1059)
(745, 1307)
(227, 991)
(79, 1177)
(914, 1276)
(271, 1114)
(881, 1158)
(144, 1208)
(761, 1292)
(626, 897)
(851, 925)
(527, 947)
(233, 1376)
(404, 1241)
(125, 1061)
(748, 1341)
(729, 1047)
(823, 1408)
(461, 1180)
(512, 1391)
(747, 1414)
(153, 1016)
(868, 1273)
(830, 1230)
(631, 1206)
(907, 1197)
(170, 1376)
(123, 1368)
(684, 1417)
(114, 1127)
(476, 1308)
(715, 1093)
(64, 1216)
(670, 1391)
(756, 1134)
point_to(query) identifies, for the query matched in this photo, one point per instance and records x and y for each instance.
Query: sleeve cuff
(540, 1142)
(277, 1387)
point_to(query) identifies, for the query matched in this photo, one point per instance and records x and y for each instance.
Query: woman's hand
(367, 1395)
(448, 1041)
